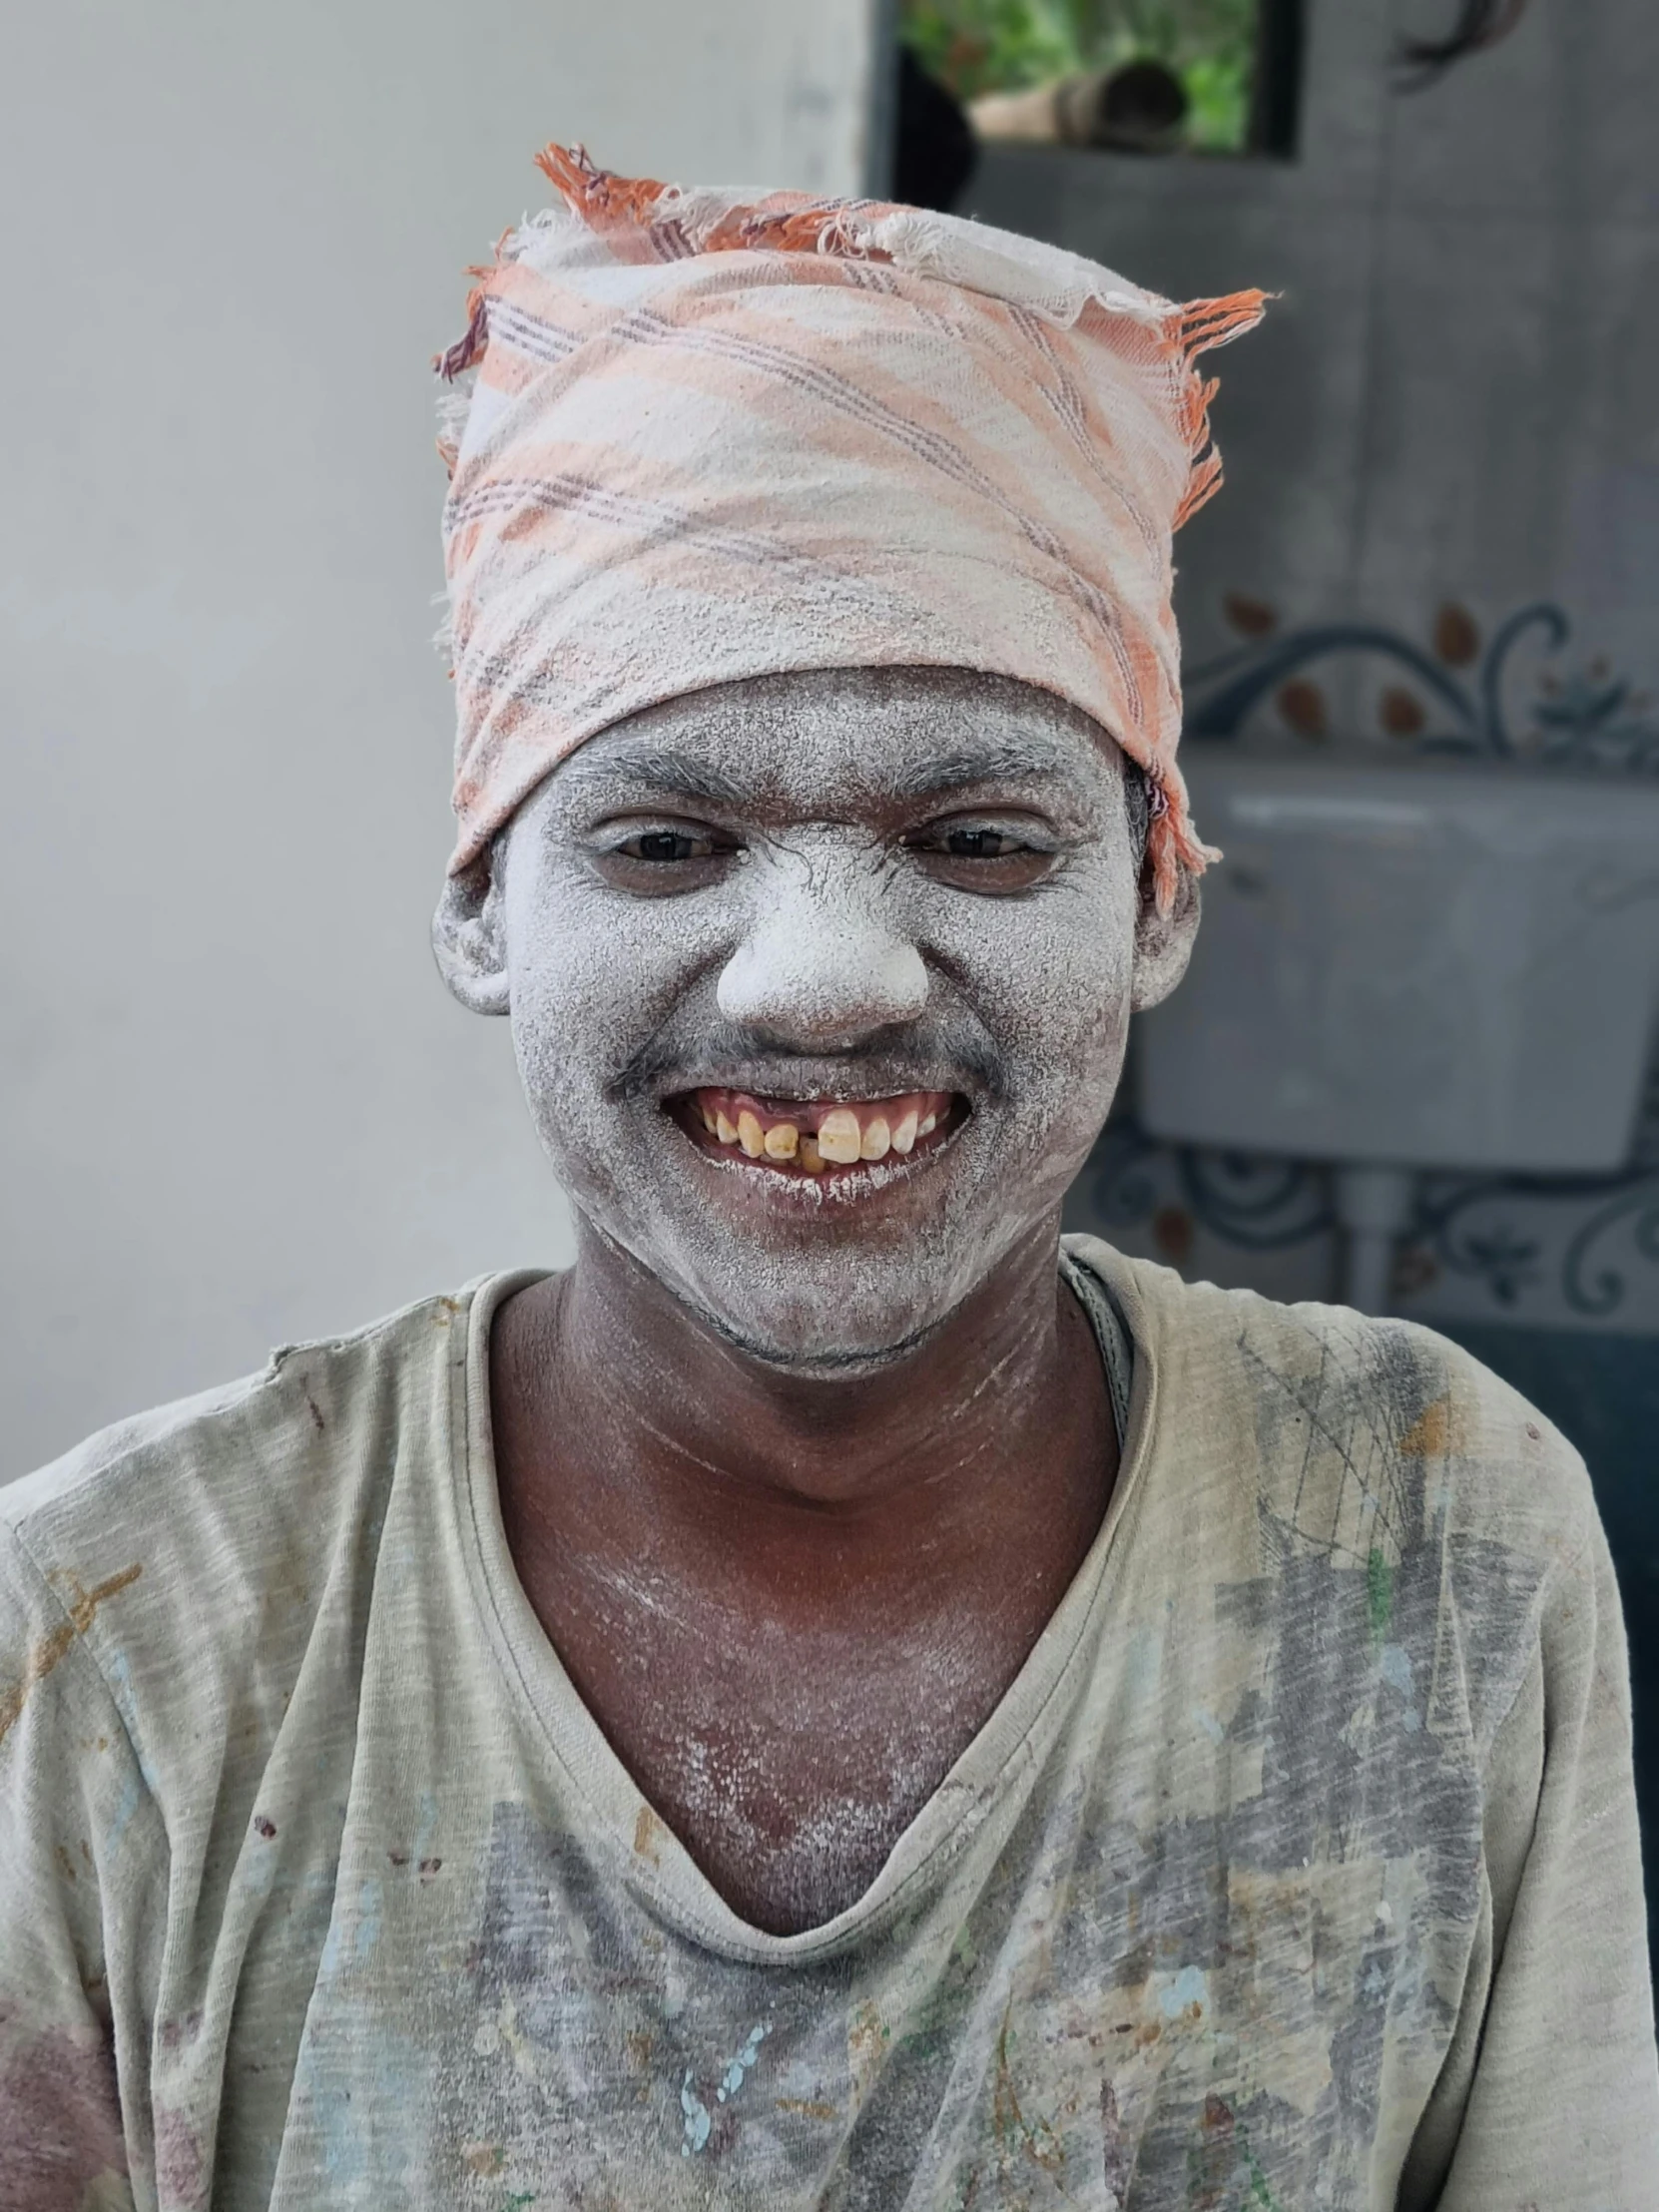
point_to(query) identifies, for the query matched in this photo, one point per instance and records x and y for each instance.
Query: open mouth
(815, 1137)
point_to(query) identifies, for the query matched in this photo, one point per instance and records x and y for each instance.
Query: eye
(657, 859)
(665, 845)
(981, 844)
(989, 856)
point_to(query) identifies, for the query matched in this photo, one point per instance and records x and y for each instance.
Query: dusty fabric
(714, 437)
(1297, 1867)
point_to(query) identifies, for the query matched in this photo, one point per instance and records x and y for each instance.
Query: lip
(828, 1082)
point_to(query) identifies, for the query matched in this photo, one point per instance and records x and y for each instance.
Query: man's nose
(820, 966)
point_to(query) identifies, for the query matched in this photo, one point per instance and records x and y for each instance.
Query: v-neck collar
(1010, 1745)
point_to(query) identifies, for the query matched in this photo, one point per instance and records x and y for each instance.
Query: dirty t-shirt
(1297, 1867)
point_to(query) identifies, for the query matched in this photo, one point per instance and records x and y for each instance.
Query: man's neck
(669, 1421)
(868, 1557)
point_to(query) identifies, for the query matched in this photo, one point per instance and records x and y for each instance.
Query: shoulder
(1376, 1445)
(1332, 1397)
(188, 1551)
(296, 1425)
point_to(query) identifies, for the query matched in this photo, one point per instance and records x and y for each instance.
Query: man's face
(880, 913)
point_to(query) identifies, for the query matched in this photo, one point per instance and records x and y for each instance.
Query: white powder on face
(846, 969)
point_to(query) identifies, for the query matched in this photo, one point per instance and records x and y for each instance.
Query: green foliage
(1218, 86)
(976, 46)
(979, 46)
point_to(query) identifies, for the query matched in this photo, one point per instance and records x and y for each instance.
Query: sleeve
(1560, 2075)
(82, 1862)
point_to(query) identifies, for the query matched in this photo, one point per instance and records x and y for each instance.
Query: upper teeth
(838, 1136)
(814, 1135)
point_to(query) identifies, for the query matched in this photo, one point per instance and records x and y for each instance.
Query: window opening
(1135, 75)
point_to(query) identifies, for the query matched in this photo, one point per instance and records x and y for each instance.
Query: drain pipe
(1375, 1205)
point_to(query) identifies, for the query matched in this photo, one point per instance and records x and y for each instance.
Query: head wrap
(716, 435)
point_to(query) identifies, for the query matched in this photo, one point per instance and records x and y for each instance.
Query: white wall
(236, 1105)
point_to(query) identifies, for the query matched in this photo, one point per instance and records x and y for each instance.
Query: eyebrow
(1003, 760)
(678, 774)
(699, 781)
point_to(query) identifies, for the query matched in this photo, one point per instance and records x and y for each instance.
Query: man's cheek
(603, 1160)
(566, 1042)
(613, 977)
(1059, 1015)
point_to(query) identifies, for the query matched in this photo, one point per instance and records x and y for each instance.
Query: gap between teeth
(843, 1134)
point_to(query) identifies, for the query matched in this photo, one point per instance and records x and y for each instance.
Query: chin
(841, 1298)
(811, 1336)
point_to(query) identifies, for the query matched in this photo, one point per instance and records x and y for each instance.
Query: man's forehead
(894, 734)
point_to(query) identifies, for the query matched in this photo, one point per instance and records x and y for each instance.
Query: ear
(1163, 943)
(469, 937)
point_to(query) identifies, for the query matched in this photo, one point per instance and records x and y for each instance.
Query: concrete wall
(1449, 417)
(1451, 395)
(235, 1106)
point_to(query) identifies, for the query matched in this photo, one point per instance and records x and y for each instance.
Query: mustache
(933, 1057)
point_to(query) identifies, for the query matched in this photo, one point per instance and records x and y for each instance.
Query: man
(835, 1701)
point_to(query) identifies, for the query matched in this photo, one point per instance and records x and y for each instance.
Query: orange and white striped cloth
(716, 435)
